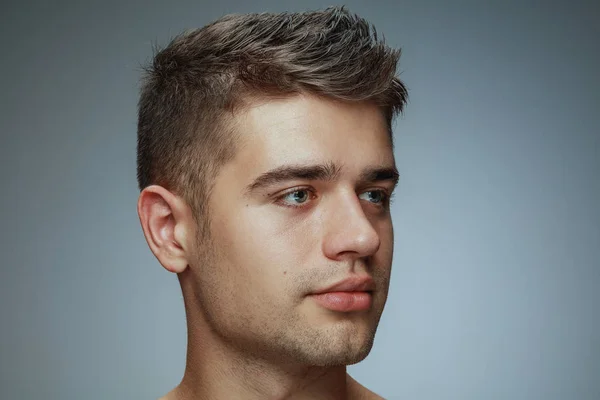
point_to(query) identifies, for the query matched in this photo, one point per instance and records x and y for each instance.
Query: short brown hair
(183, 135)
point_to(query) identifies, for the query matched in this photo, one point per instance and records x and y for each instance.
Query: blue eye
(299, 196)
(376, 196)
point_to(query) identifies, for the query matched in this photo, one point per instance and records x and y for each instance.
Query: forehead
(306, 129)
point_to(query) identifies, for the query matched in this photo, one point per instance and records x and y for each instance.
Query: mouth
(352, 294)
(344, 301)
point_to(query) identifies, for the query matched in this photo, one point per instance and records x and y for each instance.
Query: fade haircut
(193, 86)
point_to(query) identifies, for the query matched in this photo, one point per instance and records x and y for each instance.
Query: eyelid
(281, 195)
(295, 189)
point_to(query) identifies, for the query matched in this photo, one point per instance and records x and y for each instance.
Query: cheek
(264, 246)
(388, 238)
(386, 249)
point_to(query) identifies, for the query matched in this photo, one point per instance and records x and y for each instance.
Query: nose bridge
(347, 228)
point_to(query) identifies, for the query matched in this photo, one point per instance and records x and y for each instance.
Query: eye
(375, 196)
(295, 198)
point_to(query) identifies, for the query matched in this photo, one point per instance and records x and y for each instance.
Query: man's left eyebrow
(379, 174)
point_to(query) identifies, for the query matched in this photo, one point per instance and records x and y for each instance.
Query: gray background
(496, 280)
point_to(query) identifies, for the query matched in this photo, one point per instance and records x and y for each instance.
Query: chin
(343, 358)
(337, 351)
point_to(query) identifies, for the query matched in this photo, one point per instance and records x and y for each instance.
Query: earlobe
(163, 222)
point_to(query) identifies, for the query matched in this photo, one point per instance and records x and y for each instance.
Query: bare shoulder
(356, 391)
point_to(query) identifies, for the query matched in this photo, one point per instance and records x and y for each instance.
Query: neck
(216, 371)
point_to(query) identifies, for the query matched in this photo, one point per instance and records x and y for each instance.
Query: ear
(168, 225)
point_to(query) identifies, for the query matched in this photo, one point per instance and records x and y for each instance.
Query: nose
(348, 232)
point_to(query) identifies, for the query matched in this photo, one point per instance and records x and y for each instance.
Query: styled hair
(193, 86)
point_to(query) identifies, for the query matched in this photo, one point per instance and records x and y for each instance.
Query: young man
(266, 167)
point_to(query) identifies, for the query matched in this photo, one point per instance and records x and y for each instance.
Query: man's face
(279, 239)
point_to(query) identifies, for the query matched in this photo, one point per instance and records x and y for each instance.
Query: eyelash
(384, 202)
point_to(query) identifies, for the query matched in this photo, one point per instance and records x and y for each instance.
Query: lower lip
(344, 301)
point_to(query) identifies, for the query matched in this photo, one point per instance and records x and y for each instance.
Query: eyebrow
(319, 172)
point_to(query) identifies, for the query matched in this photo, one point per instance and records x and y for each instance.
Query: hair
(194, 84)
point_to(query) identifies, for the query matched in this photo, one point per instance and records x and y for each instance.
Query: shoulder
(356, 391)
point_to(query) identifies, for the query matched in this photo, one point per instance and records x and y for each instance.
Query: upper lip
(351, 284)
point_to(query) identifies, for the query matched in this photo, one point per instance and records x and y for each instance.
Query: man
(265, 160)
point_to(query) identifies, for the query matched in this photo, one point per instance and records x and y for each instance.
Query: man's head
(265, 160)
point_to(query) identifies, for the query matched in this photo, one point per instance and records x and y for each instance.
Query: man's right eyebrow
(284, 173)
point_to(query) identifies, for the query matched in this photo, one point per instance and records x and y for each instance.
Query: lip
(344, 301)
(351, 284)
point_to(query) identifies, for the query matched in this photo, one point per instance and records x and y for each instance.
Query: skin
(253, 330)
